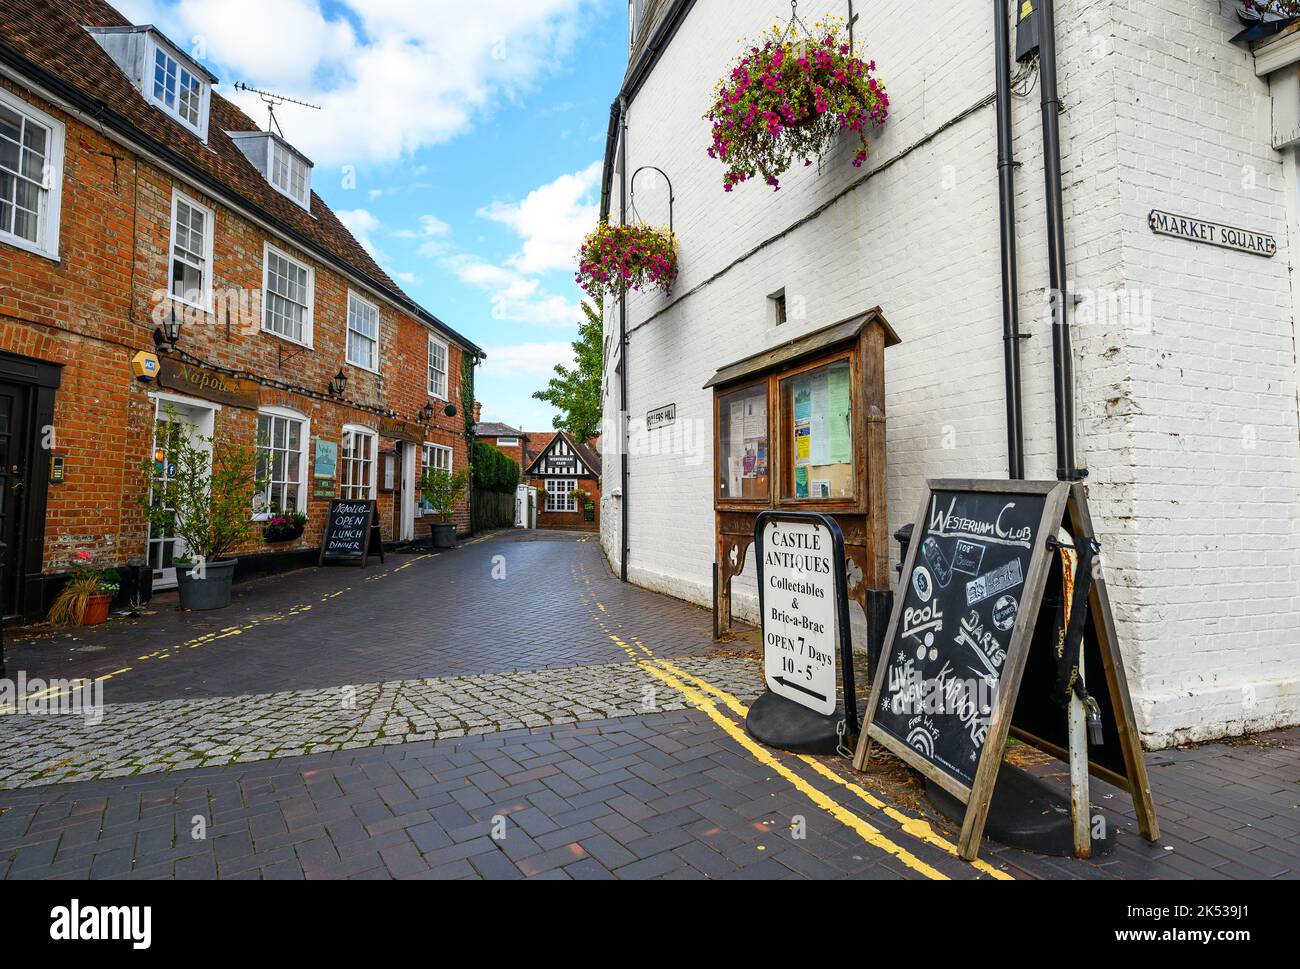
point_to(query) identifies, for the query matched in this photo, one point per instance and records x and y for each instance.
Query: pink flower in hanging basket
(638, 257)
(787, 99)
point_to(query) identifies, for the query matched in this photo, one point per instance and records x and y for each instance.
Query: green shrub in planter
(206, 503)
(443, 491)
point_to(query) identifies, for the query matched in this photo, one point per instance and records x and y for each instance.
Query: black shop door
(15, 404)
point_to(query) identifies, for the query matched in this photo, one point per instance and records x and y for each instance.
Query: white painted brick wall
(1201, 539)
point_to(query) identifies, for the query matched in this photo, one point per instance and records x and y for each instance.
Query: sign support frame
(1062, 499)
(840, 573)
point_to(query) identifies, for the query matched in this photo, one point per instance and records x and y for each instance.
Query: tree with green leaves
(576, 393)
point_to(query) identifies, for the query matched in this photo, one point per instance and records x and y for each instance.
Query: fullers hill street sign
(801, 559)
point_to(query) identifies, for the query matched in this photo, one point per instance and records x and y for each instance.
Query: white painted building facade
(1185, 353)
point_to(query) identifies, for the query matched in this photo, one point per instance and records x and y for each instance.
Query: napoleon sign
(802, 622)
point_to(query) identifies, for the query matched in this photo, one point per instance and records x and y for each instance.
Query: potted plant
(788, 98)
(87, 595)
(443, 491)
(205, 503)
(618, 257)
(284, 526)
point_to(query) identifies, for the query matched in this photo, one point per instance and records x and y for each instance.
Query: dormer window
(288, 170)
(291, 174)
(177, 90)
(169, 80)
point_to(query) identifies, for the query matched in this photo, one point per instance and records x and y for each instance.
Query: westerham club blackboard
(961, 599)
(965, 615)
(352, 532)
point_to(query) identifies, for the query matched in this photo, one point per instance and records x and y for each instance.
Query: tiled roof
(51, 38)
(496, 430)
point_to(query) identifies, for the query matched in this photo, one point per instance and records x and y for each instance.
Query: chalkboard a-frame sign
(966, 616)
(352, 533)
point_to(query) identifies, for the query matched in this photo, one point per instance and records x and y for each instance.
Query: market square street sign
(1212, 233)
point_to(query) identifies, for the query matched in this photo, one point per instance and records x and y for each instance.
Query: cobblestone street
(548, 723)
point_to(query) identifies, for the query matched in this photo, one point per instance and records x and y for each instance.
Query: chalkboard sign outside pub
(352, 532)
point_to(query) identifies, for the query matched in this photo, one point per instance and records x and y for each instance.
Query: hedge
(494, 471)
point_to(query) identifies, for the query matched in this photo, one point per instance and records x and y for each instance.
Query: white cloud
(431, 227)
(392, 76)
(536, 361)
(552, 221)
(514, 296)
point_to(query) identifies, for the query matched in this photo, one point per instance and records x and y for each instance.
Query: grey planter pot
(443, 534)
(210, 592)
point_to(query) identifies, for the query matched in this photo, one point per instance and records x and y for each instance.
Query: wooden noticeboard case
(763, 477)
(968, 614)
(352, 533)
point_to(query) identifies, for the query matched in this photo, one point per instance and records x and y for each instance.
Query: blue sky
(459, 141)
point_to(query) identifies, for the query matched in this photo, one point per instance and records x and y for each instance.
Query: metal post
(1007, 220)
(622, 345)
(1062, 348)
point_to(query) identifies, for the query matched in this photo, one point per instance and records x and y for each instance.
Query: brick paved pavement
(413, 617)
(142, 738)
(673, 794)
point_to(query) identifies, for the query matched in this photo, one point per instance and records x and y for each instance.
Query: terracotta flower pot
(96, 610)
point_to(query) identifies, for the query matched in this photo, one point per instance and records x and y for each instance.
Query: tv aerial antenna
(273, 101)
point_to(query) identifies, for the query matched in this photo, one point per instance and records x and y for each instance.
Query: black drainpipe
(622, 339)
(1062, 347)
(1007, 218)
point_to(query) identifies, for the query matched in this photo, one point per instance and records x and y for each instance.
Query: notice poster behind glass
(819, 411)
(743, 445)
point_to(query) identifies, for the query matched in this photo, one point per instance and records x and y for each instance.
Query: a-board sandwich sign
(352, 532)
(968, 605)
(803, 600)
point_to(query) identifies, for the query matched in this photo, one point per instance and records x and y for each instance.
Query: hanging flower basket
(639, 257)
(787, 98)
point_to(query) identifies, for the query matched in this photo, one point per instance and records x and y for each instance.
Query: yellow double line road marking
(681, 681)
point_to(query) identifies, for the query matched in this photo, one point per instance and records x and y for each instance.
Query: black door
(14, 403)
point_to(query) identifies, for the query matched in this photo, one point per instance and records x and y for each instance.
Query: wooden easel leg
(1103, 620)
(1080, 805)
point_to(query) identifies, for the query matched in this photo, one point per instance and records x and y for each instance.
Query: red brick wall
(569, 521)
(92, 311)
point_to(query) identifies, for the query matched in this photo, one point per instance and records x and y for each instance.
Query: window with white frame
(191, 262)
(559, 494)
(179, 91)
(437, 368)
(31, 176)
(290, 174)
(436, 458)
(282, 437)
(287, 297)
(507, 442)
(357, 463)
(363, 333)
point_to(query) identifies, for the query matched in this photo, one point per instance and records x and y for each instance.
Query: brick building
(1184, 353)
(567, 470)
(133, 197)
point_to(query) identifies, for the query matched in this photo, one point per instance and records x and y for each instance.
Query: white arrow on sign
(801, 634)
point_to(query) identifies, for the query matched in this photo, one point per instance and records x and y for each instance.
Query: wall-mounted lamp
(426, 414)
(339, 385)
(166, 337)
